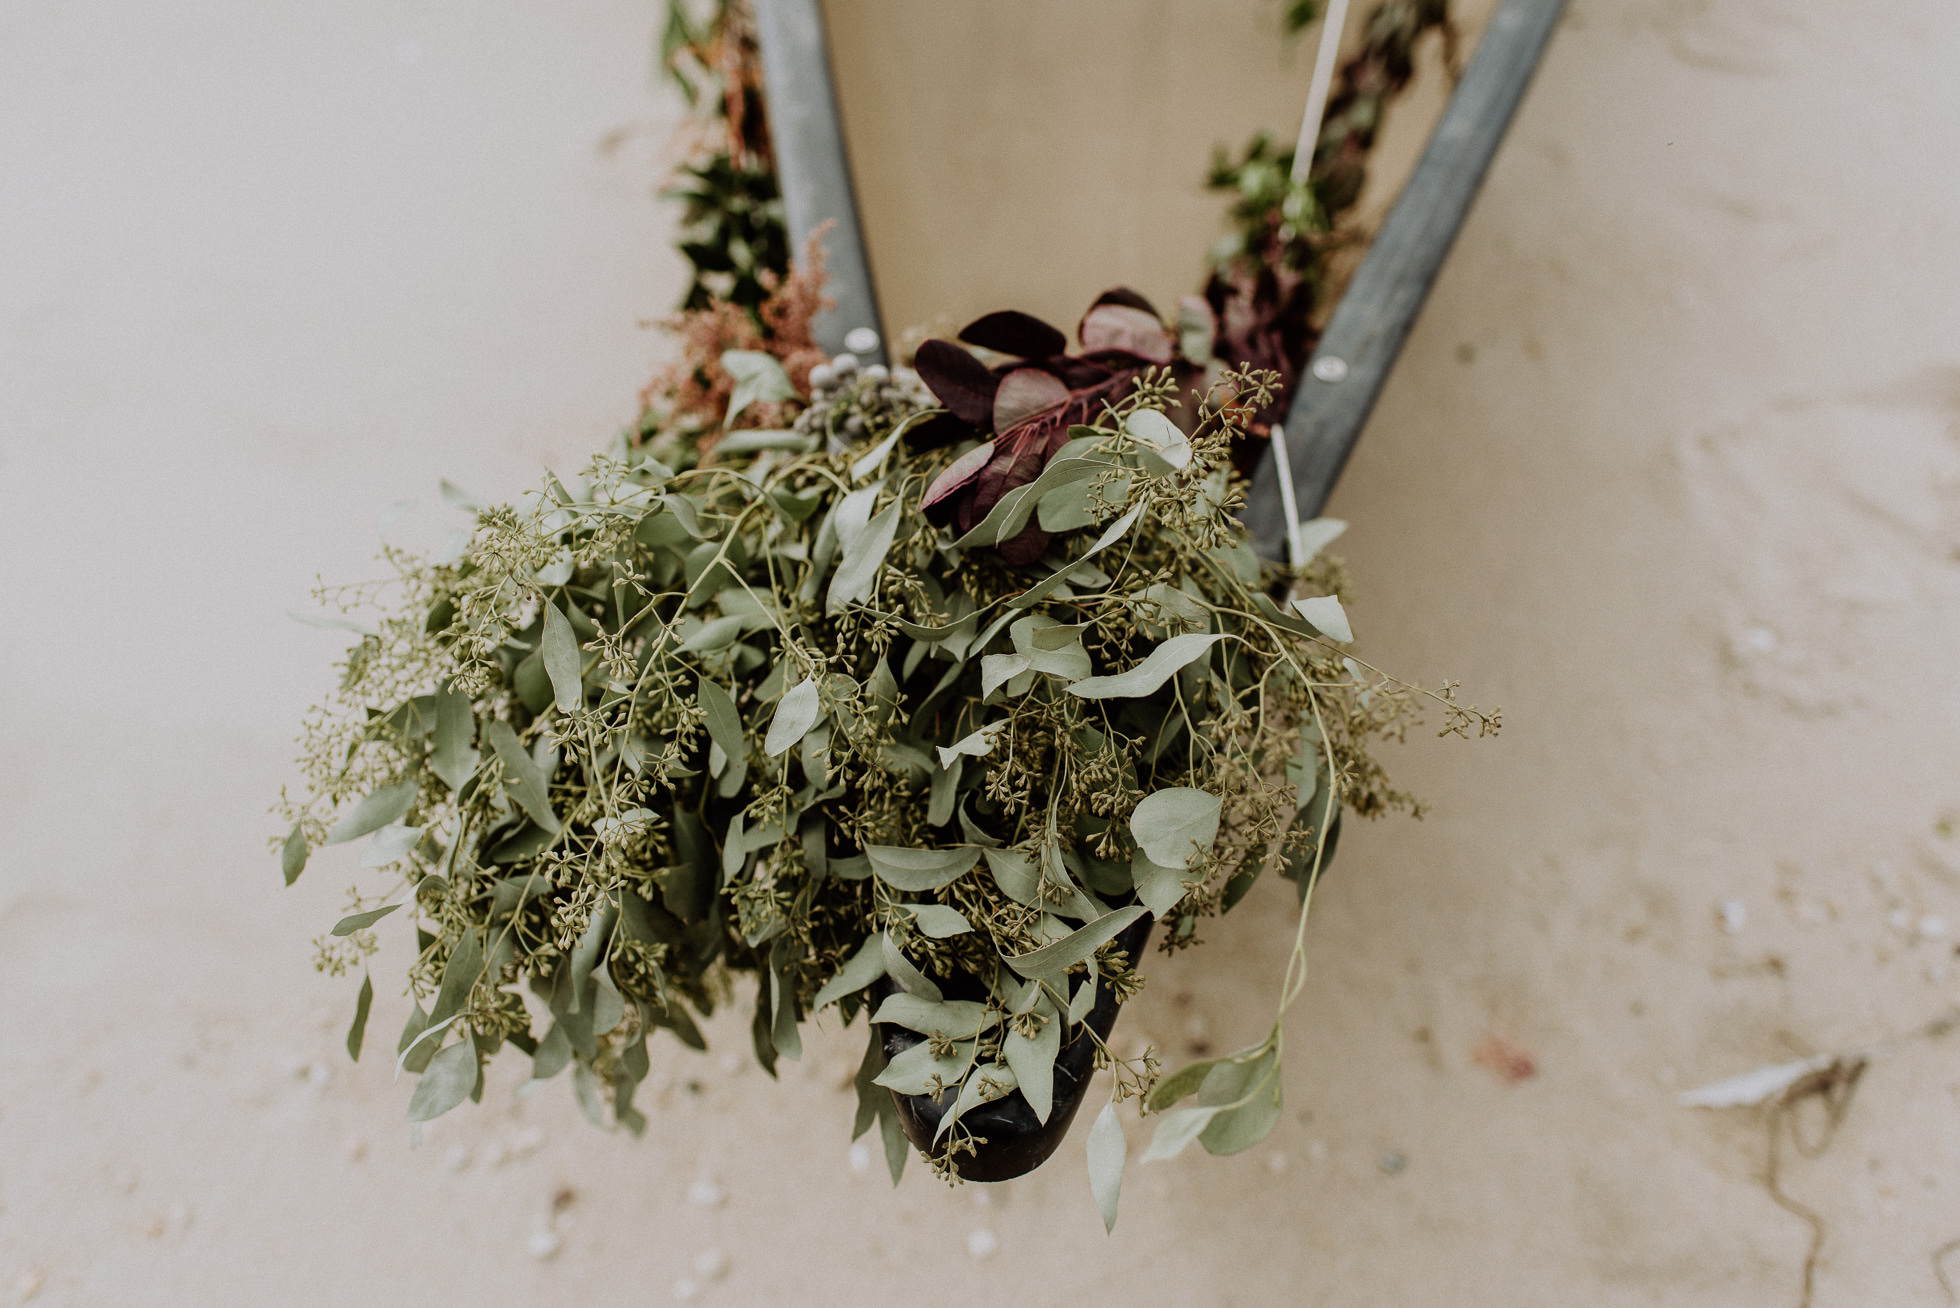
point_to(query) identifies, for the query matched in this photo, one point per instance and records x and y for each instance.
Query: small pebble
(731, 1064)
(1735, 916)
(28, 1286)
(544, 1243)
(861, 340)
(821, 377)
(1276, 1162)
(1392, 1162)
(457, 1159)
(527, 1141)
(982, 1196)
(844, 364)
(707, 1193)
(686, 1290)
(1760, 639)
(711, 1264)
(860, 1157)
(126, 1181)
(1317, 1150)
(1933, 927)
(1899, 919)
(493, 1154)
(318, 1074)
(982, 1243)
(354, 1148)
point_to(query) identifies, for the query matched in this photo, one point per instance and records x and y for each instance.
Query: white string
(1283, 468)
(1323, 81)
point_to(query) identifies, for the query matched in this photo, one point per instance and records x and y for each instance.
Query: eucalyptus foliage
(764, 715)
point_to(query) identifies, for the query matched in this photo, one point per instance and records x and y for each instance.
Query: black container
(1017, 1141)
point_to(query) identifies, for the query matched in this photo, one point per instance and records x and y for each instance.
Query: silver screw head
(1330, 368)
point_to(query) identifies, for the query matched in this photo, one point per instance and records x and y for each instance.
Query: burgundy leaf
(1120, 327)
(938, 504)
(938, 430)
(1025, 392)
(1125, 296)
(1079, 373)
(960, 381)
(1030, 544)
(1012, 332)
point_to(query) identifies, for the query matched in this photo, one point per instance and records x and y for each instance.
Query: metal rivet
(1330, 368)
(861, 340)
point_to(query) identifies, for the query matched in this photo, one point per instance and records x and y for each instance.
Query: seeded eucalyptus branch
(778, 714)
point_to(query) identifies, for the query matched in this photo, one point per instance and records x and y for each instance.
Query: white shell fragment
(1754, 1087)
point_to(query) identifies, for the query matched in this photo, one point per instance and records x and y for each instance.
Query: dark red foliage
(959, 381)
(1121, 335)
(1012, 332)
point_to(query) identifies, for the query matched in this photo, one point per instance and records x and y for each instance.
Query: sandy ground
(1670, 469)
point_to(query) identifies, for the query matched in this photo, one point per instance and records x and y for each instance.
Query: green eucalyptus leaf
(796, 713)
(939, 921)
(983, 1085)
(723, 722)
(1146, 677)
(454, 758)
(447, 1082)
(1176, 1129)
(754, 439)
(1015, 874)
(759, 379)
(1108, 1151)
(892, 1132)
(385, 805)
(864, 967)
(1181, 1084)
(997, 670)
(857, 575)
(390, 845)
(1050, 962)
(524, 780)
(1235, 1130)
(1176, 827)
(978, 744)
(919, 870)
(899, 968)
(916, 1071)
(1158, 886)
(411, 1053)
(1051, 647)
(554, 1053)
(952, 1019)
(562, 660)
(358, 1031)
(459, 977)
(1011, 512)
(871, 1097)
(1327, 616)
(353, 922)
(1111, 534)
(292, 855)
(1033, 1061)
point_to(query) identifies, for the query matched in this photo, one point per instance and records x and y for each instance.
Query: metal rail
(814, 168)
(1338, 388)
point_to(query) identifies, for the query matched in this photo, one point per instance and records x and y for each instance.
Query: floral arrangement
(925, 694)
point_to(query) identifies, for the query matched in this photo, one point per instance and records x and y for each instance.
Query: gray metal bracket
(813, 167)
(1339, 386)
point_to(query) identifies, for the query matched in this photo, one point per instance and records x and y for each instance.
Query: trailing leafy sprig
(773, 715)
